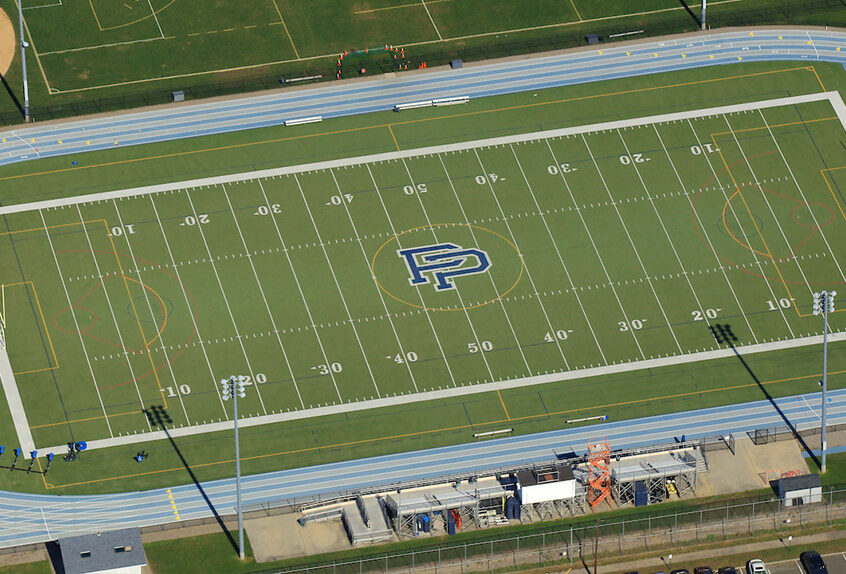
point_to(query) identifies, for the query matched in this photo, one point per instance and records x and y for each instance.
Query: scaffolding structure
(660, 474)
(479, 503)
(555, 509)
(599, 471)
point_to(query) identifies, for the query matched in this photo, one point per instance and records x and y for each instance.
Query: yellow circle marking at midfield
(398, 235)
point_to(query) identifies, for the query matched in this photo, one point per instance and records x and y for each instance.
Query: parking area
(836, 564)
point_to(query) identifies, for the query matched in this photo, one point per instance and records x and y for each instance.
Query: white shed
(544, 484)
(115, 552)
(799, 490)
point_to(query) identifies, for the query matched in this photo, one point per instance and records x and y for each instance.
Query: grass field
(604, 248)
(64, 389)
(80, 45)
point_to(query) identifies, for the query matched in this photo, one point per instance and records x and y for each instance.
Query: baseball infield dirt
(7, 42)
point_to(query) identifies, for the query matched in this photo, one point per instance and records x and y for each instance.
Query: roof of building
(802, 482)
(102, 551)
(558, 473)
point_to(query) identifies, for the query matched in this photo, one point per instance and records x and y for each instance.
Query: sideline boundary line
(455, 392)
(832, 97)
(150, 191)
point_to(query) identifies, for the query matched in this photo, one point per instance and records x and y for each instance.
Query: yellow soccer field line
(43, 321)
(284, 25)
(834, 195)
(579, 16)
(135, 312)
(755, 223)
(452, 428)
(502, 402)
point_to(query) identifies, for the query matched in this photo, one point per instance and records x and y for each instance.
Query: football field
(421, 274)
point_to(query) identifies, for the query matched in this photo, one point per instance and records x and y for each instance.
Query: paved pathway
(349, 98)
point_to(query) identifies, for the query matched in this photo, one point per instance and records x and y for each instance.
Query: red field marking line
(160, 328)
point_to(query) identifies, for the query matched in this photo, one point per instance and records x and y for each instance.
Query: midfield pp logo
(442, 263)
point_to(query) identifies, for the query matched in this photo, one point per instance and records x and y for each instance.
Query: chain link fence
(831, 12)
(572, 543)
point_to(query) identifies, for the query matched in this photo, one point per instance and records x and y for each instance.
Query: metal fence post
(570, 547)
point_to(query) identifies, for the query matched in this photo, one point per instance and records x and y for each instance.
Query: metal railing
(616, 537)
(828, 12)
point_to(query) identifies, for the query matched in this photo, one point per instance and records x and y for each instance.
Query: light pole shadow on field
(158, 417)
(724, 336)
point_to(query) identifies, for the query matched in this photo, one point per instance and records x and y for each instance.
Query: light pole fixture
(823, 305)
(233, 388)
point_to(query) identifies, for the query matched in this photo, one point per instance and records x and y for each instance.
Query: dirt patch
(7, 42)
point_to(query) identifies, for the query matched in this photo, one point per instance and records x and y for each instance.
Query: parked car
(813, 563)
(680, 571)
(703, 570)
(727, 570)
(756, 566)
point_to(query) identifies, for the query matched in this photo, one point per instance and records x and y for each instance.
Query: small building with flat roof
(799, 490)
(115, 552)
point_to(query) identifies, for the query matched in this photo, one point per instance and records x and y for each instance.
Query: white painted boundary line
(833, 97)
(457, 392)
(13, 397)
(19, 416)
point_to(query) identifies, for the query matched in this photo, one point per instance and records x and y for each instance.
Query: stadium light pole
(233, 387)
(823, 305)
(702, 19)
(24, 46)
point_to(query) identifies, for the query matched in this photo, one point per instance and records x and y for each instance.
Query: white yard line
(112, 313)
(552, 329)
(482, 351)
(388, 314)
(610, 283)
(156, 18)
(810, 408)
(453, 392)
(112, 45)
(632, 243)
(75, 322)
(426, 310)
(263, 297)
(190, 310)
(772, 212)
(833, 97)
(558, 252)
(238, 336)
(150, 310)
(338, 286)
(666, 233)
(805, 199)
(326, 361)
(705, 232)
(490, 276)
(16, 408)
(742, 229)
(432, 20)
